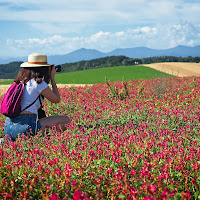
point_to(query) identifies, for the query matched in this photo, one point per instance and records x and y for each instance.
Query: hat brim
(26, 64)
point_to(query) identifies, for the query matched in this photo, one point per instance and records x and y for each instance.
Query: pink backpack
(11, 103)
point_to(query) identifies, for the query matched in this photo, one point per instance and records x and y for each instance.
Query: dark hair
(38, 73)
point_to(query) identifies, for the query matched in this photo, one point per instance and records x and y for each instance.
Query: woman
(36, 75)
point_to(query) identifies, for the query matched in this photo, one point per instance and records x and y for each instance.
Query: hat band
(43, 63)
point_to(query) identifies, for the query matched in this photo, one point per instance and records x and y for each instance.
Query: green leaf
(197, 195)
(121, 196)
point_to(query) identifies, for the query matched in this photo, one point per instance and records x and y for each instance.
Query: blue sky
(62, 26)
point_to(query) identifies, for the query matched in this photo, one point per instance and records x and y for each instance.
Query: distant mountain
(76, 56)
(137, 52)
(9, 60)
(183, 51)
(143, 52)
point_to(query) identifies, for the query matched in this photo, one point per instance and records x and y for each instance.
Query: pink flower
(152, 188)
(9, 196)
(74, 183)
(193, 180)
(147, 198)
(77, 195)
(58, 172)
(48, 187)
(40, 167)
(54, 197)
(24, 194)
(179, 168)
(133, 171)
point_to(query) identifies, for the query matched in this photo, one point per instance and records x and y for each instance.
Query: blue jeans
(23, 123)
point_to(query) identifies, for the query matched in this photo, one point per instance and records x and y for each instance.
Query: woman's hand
(52, 95)
(53, 73)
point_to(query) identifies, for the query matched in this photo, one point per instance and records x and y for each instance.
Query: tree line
(123, 61)
(10, 71)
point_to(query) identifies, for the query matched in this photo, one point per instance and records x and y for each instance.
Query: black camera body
(58, 68)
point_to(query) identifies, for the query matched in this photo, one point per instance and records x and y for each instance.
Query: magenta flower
(74, 183)
(54, 197)
(48, 187)
(77, 195)
(152, 188)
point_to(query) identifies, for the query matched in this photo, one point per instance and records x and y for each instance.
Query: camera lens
(58, 68)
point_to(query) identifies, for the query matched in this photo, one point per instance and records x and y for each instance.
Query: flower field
(127, 140)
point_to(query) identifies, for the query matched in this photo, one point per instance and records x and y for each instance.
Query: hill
(9, 71)
(179, 69)
(143, 52)
(111, 73)
(117, 73)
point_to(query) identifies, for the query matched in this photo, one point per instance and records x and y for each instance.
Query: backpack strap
(41, 96)
(32, 103)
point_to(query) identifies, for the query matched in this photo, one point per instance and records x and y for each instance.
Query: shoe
(1, 140)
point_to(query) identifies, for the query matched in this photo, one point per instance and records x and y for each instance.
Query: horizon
(17, 57)
(61, 27)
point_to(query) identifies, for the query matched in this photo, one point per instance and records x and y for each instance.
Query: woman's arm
(52, 95)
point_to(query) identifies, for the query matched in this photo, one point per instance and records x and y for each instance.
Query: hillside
(9, 71)
(117, 73)
(179, 69)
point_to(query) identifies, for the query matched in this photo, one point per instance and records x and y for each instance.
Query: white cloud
(89, 11)
(159, 37)
(62, 26)
(186, 34)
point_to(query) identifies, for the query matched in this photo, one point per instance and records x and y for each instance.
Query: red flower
(179, 168)
(147, 198)
(152, 188)
(74, 183)
(48, 187)
(133, 171)
(77, 195)
(54, 197)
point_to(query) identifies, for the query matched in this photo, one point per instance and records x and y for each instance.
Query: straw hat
(36, 60)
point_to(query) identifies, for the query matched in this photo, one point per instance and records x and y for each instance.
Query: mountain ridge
(135, 52)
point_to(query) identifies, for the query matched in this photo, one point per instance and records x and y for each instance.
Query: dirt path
(177, 68)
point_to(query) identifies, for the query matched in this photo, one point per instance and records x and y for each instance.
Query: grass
(8, 82)
(112, 73)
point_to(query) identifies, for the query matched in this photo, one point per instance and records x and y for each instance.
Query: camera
(58, 68)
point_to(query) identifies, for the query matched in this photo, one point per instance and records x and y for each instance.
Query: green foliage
(122, 60)
(115, 92)
(95, 63)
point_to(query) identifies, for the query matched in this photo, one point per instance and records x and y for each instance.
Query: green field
(6, 82)
(112, 73)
